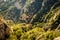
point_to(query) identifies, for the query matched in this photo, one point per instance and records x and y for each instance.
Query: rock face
(4, 31)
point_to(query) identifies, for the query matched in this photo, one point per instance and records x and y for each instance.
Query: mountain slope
(14, 10)
(30, 19)
(49, 29)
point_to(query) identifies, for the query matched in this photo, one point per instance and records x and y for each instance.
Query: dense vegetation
(39, 20)
(47, 30)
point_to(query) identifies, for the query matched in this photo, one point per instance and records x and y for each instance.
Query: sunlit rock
(58, 38)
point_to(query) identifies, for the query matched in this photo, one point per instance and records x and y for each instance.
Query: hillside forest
(29, 19)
